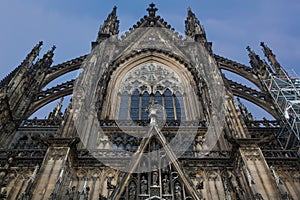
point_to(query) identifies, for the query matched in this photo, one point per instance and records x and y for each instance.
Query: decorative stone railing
(30, 156)
(41, 123)
(279, 154)
(263, 124)
(168, 123)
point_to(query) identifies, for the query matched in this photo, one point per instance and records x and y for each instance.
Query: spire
(247, 116)
(152, 10)
(110, 26)
(193, 27)
(56, 113)
(256, 62)
(47, 60)
(272, 59)
(34, 52)
(27, 62)
(32, 55)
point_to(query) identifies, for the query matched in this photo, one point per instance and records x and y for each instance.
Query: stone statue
(132, 191)
(154, 177)
(109, 185)
(178, 195)
(72, 193)
(166, 185)
(144, 184)
(200, 184)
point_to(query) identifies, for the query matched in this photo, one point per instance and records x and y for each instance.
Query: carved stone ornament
(57, 153)
(251, 153)
(151, 77)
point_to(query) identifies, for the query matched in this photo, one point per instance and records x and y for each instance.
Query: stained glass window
(123, 114)
(145, 105)
(173, 105)
(169, 106)
(135, 105)
(147, 82)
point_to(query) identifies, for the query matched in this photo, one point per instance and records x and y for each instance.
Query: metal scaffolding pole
(286, 97)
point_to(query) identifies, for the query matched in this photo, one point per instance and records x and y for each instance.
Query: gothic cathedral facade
(152, 116)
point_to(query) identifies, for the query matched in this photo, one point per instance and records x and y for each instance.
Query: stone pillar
(257, 173)
(52, 171)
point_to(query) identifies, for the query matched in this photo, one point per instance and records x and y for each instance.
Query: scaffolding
(285, 91)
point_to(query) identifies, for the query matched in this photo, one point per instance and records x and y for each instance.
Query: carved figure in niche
(109, 185)
(132, 191)
(178, 195)
(154, 177)
(71, 193)
(237, 190)
(144, 184)
(166, 186)
(200, 184)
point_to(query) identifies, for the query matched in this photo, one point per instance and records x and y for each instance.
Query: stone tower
(152, 116)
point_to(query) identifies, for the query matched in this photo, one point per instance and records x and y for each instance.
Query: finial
(50, 53)
(114, 10)
(36, 48)
(152, 9)
(252, 54)
(267, 51)
(248, 49)
(40, 43)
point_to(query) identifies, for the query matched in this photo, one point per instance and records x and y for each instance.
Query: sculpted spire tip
(152, 10)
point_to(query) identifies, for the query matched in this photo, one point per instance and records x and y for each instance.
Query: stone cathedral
(152, 116)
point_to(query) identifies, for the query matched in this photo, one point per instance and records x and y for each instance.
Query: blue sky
(71, 25)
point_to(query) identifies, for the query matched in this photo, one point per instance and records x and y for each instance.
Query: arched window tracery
(147, 83)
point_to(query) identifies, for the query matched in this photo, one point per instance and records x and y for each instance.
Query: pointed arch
(180, 86)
